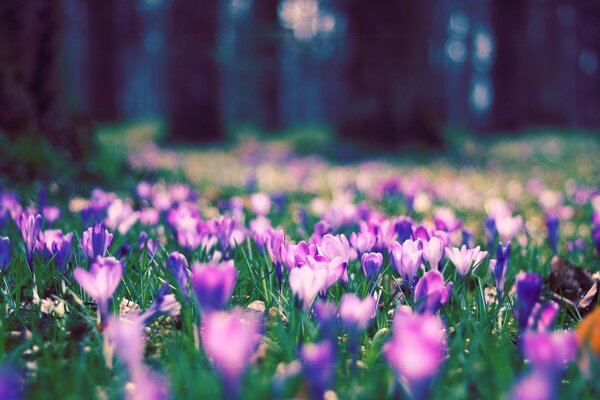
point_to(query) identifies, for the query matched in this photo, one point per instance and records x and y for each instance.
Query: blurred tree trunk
(266, 40)
(510, 70)
(102, 62)
(192, 71)
(394, 96)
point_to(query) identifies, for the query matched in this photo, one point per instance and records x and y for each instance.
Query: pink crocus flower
(260, 203)
(306, 282)
(416, 350)
(334, 246)
(101, 281)
(433, 251)
(463, 258)
(508, 226)
(356, 313)
(406, 258)
(229, 340)
(336, 269)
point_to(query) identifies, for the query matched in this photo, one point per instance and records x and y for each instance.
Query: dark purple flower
(178, 265)
(403, 228)
(318, 364)
(4, 253)
(30, 226)
(552, 224)
(467, 238)
(371, 264)
(499, 266)
(529, 286)
(490, 232)
(213, 284)
(431, 292)
(63, 252)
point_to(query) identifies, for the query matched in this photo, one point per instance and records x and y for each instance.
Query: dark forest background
(391, 71)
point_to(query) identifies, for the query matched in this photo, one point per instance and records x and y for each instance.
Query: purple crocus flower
(30, 226)
(178, 265)
(552, 224)
(431, 292)
(529, 286)
(336, 270)
(4, 253)
(464, 259)
(371, 264)
(499, 266)
(213, 284)
(318, 364)
(223, 228)
(101, 281)
(229, 340)
(96, 241)
(416, 350)
(63, 252)
(406, 258)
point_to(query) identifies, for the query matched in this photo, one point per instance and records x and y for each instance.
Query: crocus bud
(178, 265)
(30, 226)
(499, 266)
